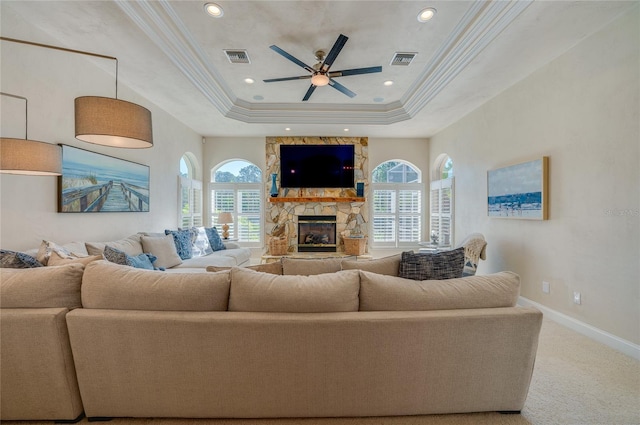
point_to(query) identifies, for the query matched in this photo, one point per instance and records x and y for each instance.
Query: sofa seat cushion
(224, 258)
(388, 293)
(41, 287)
(387, 265)
(111, 286)
(266, 292)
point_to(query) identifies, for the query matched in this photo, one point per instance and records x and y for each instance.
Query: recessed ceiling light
(426, 14)
(378, 99)
(214, 10)
(388, 83)
(287, 129)
(346, 129)
(249, 80)
(258, 97)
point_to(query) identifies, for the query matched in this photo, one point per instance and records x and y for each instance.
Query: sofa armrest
(38, 376)
(231, 245)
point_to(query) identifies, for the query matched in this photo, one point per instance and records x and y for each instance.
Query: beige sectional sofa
(160, 245)
(242, 343)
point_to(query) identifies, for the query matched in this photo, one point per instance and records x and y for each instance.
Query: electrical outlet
(546, 287)
(577, 299)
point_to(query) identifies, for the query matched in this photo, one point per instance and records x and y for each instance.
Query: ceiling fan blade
(336, 85)
(291, 58)
(309, 93)
(333, 53)
(301, 77)
(355, 71)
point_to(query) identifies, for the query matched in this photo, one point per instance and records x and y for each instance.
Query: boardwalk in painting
(110, 197)
(116, 200)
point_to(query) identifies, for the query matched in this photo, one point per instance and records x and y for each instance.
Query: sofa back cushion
(387, 265)
(273, 268)
(310, 266)
(265, 292)
(41, 287)
(131, 245)
(112, 286)
(385, 293)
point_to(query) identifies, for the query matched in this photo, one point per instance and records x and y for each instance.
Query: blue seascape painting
(518, 191)
(93, 182)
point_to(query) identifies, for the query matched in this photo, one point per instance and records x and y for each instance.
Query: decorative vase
(274, 185)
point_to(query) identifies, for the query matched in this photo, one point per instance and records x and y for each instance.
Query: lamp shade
(30, 157)
(225, 218)
(113, 122)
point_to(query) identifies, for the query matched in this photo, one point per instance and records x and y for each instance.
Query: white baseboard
(615, 342)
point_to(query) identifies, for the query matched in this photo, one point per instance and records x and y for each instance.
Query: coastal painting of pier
(519, 191)
(92, 182)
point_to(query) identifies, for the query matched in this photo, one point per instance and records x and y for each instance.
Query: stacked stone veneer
(281, 217)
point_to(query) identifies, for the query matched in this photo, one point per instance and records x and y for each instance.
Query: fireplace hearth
(317, 233)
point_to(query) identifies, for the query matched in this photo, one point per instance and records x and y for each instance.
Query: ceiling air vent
(402, 59)
(237, 56)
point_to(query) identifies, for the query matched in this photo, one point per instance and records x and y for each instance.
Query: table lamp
(224, 218)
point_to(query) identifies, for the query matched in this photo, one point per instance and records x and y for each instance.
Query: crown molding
(481, 24)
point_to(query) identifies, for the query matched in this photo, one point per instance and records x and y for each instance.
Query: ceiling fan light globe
(319, 80)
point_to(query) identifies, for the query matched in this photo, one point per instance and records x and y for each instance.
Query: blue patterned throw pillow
(17, 260)
(214, 239)
(437, 266)
(142, 261)
(182, 239)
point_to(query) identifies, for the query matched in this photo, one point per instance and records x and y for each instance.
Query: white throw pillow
(164, 248)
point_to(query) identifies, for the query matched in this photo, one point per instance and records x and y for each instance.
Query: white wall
(582, 111)
(51, 80)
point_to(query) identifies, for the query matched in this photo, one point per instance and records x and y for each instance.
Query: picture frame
(519, 191)
(97, 183)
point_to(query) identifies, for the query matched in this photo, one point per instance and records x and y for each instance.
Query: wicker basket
(278, 246)
(355, 246)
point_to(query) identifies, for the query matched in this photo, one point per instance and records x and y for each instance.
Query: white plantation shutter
(248, 217)
(409, 215)
(384, 217)
(244, 202)
(441, 222)
(190, 193)
(397, 214)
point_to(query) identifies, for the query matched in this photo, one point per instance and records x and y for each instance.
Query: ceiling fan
(319, 73)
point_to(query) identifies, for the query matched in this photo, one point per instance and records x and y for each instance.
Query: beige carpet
(576, 381)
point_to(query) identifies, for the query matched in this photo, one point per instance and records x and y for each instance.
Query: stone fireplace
(317, 233)
(283, 212)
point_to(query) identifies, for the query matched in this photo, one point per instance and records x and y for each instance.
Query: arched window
(190, 194)
(397, 204)
(441, 224)
(236, 188)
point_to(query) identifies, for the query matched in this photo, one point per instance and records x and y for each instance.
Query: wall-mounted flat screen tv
(317, 166)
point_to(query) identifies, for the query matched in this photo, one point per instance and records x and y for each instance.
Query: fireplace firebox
(317, 233)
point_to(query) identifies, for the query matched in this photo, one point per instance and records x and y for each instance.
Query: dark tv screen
(316, 165)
